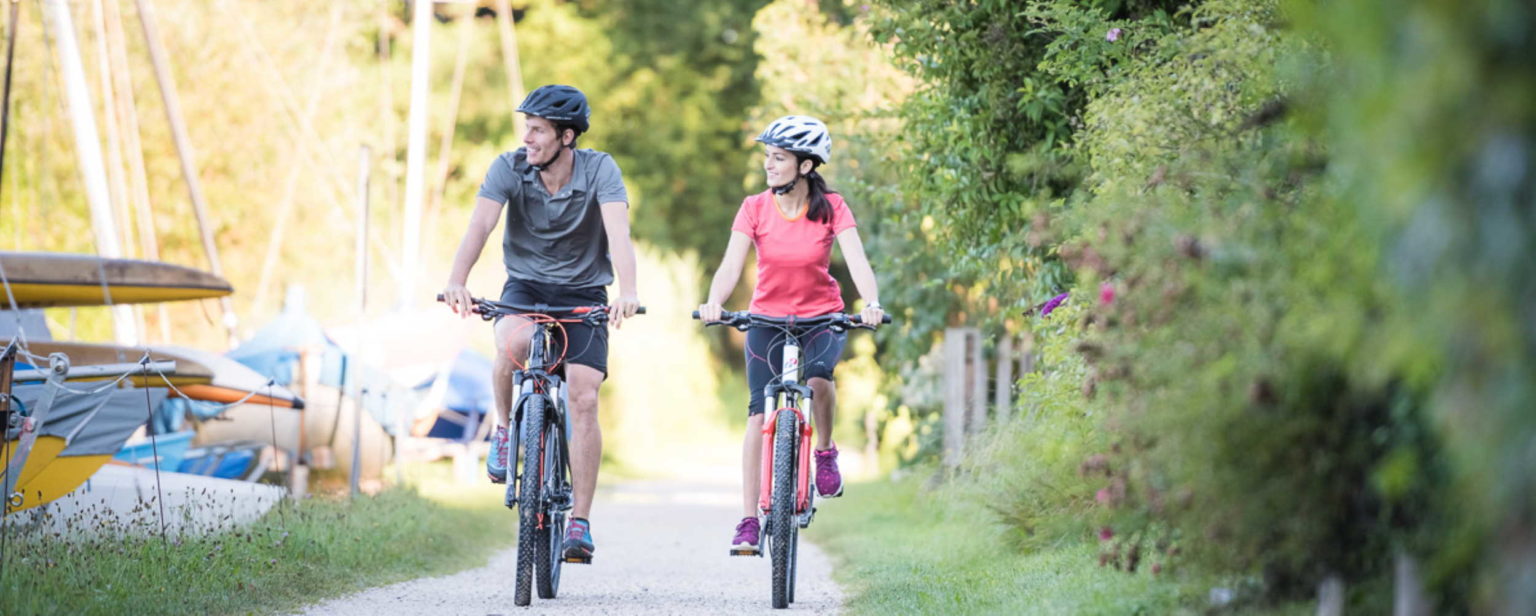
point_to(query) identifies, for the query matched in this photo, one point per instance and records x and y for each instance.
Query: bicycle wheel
(557, 485)
(781, 513)
(529, 497)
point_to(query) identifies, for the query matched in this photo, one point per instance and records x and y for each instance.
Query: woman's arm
(863, 275)
(726, 276)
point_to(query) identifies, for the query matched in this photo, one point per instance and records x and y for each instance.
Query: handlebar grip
(695, 315)
(640, 310)
(439, 297)
(884, 319)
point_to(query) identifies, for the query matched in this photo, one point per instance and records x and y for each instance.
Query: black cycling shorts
(820, 350)
(584, 344)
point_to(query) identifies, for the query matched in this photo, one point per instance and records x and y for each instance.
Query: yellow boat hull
(47, 279)
(48, 475)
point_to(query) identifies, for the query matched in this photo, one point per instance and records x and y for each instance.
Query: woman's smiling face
(778, 165)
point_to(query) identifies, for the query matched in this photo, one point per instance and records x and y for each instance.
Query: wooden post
(1330, 596)
(354, 374)
(1408, 595)
(959, 371)
(976, 375)
(185, 155)
(1003, 400)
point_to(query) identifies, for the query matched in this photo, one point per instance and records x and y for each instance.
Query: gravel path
(661, 549)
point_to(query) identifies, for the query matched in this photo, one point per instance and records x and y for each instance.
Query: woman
(792, 225)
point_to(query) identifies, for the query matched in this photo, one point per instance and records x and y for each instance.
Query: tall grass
(298, 553)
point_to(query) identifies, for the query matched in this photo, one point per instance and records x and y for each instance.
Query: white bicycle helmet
(801, 134)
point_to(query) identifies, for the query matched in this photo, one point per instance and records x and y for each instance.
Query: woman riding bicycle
(792, 225)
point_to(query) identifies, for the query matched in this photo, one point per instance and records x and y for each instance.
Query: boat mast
(88, 149)
(416, 149)
(185, 154)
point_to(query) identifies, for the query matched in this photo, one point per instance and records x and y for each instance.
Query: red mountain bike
(786, 500)
(539, 464)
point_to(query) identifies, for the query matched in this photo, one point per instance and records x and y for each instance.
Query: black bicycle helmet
(563, 105)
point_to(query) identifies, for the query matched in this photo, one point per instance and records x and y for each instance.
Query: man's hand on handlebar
(626, 306)
(458, 298)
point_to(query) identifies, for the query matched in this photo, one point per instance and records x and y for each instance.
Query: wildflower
(1051, 304)
(1106, 293)
(1105, 534)
(1113, 35)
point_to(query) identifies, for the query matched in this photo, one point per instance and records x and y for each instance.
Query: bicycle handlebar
(742, 320)
(489, 309)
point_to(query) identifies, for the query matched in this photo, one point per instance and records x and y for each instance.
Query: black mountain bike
(786, 499)
(539, 464)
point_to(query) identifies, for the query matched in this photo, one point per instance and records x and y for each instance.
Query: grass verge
(298, 553)
(905, 549)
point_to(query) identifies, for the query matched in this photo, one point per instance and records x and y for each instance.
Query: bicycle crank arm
(805, 518)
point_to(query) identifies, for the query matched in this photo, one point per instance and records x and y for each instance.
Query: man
(567, 230)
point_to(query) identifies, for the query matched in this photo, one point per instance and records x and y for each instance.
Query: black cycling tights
(820, 349)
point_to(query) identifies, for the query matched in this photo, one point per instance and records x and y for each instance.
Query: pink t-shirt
(793, 256)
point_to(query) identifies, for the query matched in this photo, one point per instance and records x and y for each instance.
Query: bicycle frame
(789, 397)
(536, 380)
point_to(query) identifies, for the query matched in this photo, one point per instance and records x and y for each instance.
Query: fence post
(976, 378)
(1003, 400)
(954, 396)
(959, 397)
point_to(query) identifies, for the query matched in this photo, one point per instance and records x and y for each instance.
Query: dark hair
(561, 127)
(820, 209)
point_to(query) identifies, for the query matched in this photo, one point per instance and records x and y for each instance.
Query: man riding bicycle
(567, 230)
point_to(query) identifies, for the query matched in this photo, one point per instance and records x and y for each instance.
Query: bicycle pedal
(579, 560)
(746, 552)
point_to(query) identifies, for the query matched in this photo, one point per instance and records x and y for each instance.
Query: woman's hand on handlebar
(872, 315)
(710, 313)
(458, 298)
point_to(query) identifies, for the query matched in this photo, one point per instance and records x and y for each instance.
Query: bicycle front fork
(802, 463)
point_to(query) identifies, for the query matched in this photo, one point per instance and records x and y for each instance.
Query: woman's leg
(822, 406)
(751, 465)
(764, 348)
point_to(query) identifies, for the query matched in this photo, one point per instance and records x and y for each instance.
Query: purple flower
(1105, 534)
(1106, 294)
(1113, 35)
(1051, 304)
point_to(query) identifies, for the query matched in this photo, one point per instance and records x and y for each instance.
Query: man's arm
(481, 223)
(616, 225)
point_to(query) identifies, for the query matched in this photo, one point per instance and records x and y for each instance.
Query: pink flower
(1106, 293)
(1105, 534)
(1102, 496)
(1113, 35)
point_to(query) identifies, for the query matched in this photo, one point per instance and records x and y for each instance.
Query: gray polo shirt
(556, 239)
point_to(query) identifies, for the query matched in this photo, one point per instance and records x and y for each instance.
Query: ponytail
(820, 209)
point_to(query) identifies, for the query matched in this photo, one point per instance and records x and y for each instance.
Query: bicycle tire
(529, 498)
(552, 536)
(781, 513)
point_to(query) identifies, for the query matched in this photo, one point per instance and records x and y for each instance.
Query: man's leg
(586, 436)
(513, 334)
